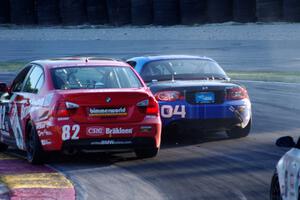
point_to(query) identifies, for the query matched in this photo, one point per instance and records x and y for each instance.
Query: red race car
(71, 104)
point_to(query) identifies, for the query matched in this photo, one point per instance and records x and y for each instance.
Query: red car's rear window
(101, 77)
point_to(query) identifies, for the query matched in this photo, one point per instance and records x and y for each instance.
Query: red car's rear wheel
(34, 147)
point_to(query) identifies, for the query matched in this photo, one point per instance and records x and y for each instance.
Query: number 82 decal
(70, 132)
(167, 111)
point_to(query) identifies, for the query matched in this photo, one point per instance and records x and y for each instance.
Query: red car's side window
(17, 84)
(33, 83)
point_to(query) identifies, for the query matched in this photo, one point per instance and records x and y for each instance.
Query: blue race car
(195, 93)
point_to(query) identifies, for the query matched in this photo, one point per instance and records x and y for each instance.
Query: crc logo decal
(167, 111)
(96, 130)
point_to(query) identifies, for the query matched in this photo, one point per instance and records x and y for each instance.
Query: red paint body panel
(87, 122)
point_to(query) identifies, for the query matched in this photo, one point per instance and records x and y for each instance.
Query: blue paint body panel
(225, 110)
(204, 112)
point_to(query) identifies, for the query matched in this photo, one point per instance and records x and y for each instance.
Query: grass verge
(288, 77)
(11, 66)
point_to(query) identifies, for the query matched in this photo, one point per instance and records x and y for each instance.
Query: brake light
(61, 110)
(168, 96)
(149, 107)
(236, 93)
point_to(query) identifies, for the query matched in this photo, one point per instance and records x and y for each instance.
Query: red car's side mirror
(3, 88)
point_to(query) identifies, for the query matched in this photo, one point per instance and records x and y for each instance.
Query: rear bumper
(203, 124)
(115, 144)
(102, 136)
(207, 116)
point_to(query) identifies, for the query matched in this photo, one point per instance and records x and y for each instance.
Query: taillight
(61, 110)
(168, 96)
(236, 93)
(149, 107)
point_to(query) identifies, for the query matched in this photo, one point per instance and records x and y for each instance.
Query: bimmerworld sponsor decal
(102, 112)
(99, 130)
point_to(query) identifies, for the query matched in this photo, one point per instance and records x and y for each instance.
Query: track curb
(4, 191)
(21, 180)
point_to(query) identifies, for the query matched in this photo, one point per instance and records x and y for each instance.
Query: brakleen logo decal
(110, 131)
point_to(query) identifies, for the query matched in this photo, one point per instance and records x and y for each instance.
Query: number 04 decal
(167, 111)
(70, 132)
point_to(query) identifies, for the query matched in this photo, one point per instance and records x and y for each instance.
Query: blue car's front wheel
(238, 132)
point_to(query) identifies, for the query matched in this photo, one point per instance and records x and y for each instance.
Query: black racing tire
(119, 12)
(35, 153)
(269, 10)
(47, 12)
(275, 188)
(3, 147)
(4, 11)
(291, 10)
(22, 12)
(238, 132)
(73, 12)
(193, 11)
(141, 12)
(166, 12)
(244, 10)
(146, 153)
(97, 11)
(219, 11)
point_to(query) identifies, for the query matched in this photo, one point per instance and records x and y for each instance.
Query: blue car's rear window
(182, 69)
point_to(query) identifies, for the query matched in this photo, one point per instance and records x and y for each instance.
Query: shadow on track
(82, 159)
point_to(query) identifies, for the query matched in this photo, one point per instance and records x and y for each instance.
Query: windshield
(94, 77)
(182, 69)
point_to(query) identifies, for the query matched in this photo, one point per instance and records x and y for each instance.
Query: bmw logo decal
(108, 99)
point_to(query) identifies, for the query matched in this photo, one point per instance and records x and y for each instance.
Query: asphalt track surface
(196, 165)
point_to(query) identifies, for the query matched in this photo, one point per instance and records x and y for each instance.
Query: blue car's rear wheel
(238, 132)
